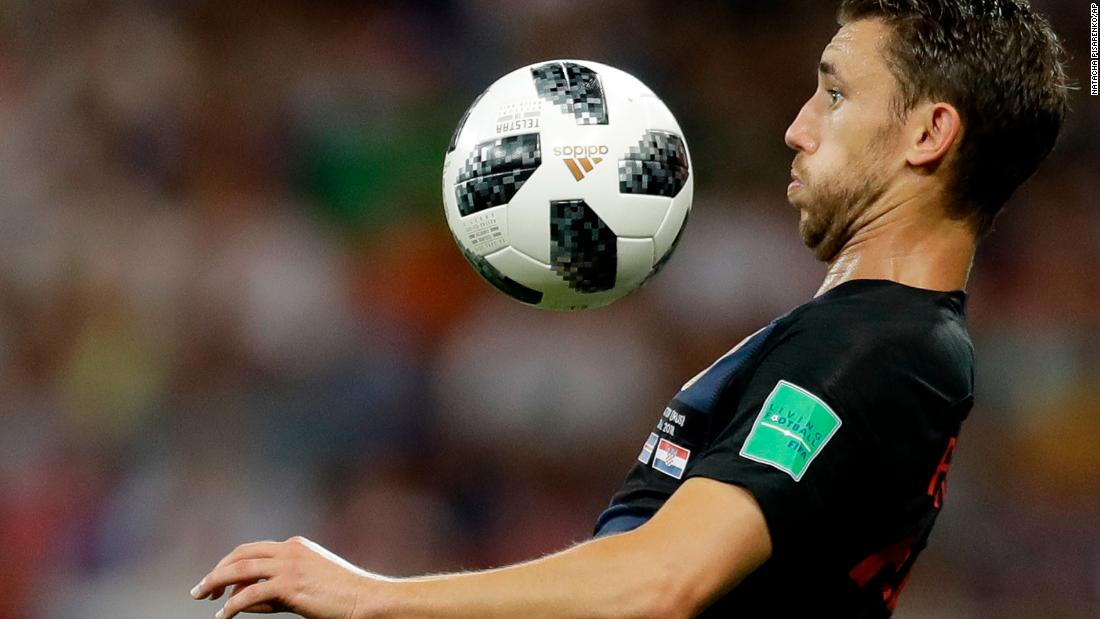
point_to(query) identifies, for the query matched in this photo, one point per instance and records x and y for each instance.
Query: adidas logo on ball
(580, 159)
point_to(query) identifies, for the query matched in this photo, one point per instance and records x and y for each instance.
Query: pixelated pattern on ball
(499, 280)
(462, 122)
(574, 88)
(660, 264)
(495, 171)
(583, 250)
(657, 166)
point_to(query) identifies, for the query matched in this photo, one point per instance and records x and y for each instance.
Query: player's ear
(935, 128)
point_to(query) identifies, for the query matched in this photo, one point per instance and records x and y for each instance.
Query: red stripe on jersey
(895, 560)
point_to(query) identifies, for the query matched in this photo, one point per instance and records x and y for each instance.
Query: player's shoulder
(876, 319)
(867, 342)
(881, 307)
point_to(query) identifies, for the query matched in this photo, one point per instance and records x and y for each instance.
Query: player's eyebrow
(827, 68)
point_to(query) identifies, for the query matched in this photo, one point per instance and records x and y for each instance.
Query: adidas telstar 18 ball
(567, 184)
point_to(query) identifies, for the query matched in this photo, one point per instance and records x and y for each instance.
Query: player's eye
(834, 95)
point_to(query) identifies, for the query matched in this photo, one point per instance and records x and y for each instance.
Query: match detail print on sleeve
(792, 428)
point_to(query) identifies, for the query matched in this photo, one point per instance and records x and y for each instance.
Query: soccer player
(801, 473)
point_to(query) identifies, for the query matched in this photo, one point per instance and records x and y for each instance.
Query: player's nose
(799, 135)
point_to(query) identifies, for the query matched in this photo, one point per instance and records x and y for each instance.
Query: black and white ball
(567, 184)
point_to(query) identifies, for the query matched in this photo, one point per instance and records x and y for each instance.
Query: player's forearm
(621, 576)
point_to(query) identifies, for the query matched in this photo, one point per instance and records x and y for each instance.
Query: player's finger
(262, 607)
(237, 588)
(243, 571)
(235, 574)
(259, 598)
(254, 550)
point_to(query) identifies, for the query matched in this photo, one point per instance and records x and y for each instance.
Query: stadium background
(230, 308)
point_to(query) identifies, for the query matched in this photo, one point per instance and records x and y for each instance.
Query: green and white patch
(791, 430)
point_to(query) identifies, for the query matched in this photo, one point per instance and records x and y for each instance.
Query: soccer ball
(567, 184)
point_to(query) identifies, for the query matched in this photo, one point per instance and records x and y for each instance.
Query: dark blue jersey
(840, 418)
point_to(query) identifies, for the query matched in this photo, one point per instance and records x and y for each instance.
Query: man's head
(960, 97)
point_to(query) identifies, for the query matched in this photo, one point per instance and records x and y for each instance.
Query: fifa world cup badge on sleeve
(791, 430)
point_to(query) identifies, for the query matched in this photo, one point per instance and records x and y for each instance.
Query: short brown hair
(1002, 67)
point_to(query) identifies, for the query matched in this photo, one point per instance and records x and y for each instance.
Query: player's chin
(798, 196)
(805, 211)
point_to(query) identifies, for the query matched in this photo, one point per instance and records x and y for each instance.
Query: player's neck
(905, 245)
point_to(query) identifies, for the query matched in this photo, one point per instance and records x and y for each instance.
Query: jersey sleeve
(799, 437)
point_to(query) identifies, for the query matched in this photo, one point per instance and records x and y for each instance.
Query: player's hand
(297, 576)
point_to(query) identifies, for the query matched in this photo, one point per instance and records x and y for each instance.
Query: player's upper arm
(708, 537)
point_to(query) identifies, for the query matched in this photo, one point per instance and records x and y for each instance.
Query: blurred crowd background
(230, 308)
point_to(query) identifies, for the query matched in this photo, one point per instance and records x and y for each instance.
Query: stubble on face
(838, 200)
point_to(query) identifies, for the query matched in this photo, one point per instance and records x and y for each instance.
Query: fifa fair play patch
(791, 430)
